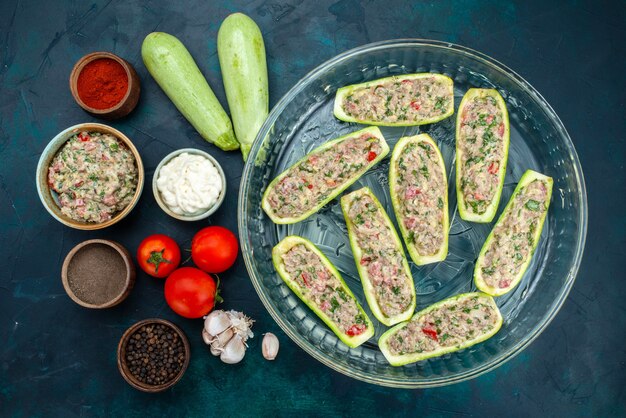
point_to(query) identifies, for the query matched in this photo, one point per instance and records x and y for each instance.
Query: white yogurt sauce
(189, 184)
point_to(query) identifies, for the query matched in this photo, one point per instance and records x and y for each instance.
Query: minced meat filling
(449, 325)
(95, 176)
(400, 100)
(382, 257)
(513, 237)
(482, 151)
(316, 177)
(321, 287)
(421, 190)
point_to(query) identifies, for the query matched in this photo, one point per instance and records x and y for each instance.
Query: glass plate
(303, 120)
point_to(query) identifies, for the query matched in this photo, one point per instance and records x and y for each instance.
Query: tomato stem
(218, 297)
(187, 260)
(156, 258)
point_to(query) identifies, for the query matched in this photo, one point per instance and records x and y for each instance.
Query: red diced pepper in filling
(310, 186)
(501, 129)
(82, 137)
(305, 279)
(411, 192)
(431, 333)
(355, 329)
(415, 105)
(406, 81)
(365, 260)
(493, 167)
(371, 156)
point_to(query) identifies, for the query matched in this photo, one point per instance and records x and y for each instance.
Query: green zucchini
(481, 210)
(430, 202)
(516, 250)
(442, 328)
(415, 103)
(364, 256)
(341, 293)
(174, 69)
(317, 175)
(241, 52)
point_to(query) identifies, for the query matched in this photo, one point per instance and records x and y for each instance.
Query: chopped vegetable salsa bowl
(304, 120)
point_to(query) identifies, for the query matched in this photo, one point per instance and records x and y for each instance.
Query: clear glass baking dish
(303, 119)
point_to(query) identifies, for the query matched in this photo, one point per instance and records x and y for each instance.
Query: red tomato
(214, 249)
(158, 255)
(190, 292)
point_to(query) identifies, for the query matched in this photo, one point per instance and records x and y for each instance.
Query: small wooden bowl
(128, 102)
(121, 356)
(49, 197)
(85, 246)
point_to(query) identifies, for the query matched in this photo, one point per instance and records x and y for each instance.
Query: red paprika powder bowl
(105, 85)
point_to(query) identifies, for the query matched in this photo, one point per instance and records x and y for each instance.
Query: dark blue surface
(58, 359)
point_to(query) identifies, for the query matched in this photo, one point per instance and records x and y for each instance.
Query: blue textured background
(57, 359)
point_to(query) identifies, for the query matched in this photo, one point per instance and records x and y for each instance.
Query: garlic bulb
(270, 345)
(227, 332)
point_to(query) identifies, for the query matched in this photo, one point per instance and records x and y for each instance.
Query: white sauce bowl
(159, 198)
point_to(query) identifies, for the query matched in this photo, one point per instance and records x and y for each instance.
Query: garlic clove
(234, 351)
(225, 336)
(216, 351)
(217, 322)
(208, 318)
(216, 347)
(270, 345)
(206, 337)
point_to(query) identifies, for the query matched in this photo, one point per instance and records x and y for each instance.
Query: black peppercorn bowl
(125, 368)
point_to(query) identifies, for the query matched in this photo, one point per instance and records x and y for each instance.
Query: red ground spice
(102, 83)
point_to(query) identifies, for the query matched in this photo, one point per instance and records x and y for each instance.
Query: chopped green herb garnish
(488, 270)
(533, 205)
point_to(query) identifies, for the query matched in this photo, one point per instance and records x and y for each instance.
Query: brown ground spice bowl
(126, 105)
(98, 273)
(178, 346)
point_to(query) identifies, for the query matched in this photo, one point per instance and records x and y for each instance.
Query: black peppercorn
(155, 354)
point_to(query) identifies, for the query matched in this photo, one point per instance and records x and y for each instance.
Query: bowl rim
(123, 368)
(130, 273)
(527, 88)
(80, 65)
(157, 194)
(51, 150)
